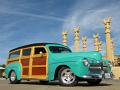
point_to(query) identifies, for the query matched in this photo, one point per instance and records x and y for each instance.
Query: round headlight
(98, 61)
(85, 62)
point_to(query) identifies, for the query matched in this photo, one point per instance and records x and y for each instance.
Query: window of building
(40, 50)
(14, 54)
(26, 52)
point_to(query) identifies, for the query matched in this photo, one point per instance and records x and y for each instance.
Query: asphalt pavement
(35, 85)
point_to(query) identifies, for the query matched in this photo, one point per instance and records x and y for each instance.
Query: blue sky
(30, 21)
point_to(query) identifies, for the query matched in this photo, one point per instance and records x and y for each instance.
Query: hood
(77, 56)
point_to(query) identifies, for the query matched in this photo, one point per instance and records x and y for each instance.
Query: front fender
(15, 67)
(77, 68)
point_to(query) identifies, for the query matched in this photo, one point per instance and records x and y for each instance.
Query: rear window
(14, 54)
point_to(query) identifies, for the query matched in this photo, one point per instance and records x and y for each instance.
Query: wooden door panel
(25, 71)
(25, 62)
(39, 65)
(25, 66)
(39, 60)
(38, 70)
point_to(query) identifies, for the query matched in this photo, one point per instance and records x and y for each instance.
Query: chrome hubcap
(67, 76)
(12, 77)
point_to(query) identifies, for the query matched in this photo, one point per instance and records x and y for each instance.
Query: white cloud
(32, 15)
(23, 7)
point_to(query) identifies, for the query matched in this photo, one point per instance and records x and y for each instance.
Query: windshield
(59, 49)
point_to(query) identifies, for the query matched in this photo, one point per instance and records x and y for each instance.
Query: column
(100, 46)
(112, 51)
(76, 39)
(64, 37)
(96, 46)
(107, 23)
(84, 43)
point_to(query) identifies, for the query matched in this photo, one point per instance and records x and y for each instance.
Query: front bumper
(98, 76)
(98, 71)
(92, 77)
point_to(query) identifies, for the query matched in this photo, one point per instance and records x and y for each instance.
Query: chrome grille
(98, 68)
(95, 68)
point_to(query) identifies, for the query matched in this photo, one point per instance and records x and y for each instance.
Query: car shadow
(82, 84)
(88, 85)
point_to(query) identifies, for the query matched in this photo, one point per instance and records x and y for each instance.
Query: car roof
(33, 44)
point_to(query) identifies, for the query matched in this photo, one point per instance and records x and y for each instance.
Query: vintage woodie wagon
(51, 61)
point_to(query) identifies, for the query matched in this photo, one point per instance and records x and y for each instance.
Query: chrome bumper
(98, 76)
(92, 76)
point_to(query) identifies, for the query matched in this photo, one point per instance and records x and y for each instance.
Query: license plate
(107, 75)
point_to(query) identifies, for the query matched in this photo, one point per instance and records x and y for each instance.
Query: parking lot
(35, 85)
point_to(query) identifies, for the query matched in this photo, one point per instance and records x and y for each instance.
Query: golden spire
(64, 37)
(100, 46)
(76, 39)
(96, 42)
(84, 43)
(107, 22)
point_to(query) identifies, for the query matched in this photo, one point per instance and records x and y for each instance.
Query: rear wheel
(67, 77)
(13, 78)
(94, 82)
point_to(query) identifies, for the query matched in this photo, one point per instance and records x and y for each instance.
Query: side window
(39, 50)
(14, 54)
(26, 52)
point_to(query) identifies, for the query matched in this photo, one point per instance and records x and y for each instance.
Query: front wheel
(13, 78)
(67, 77)
(94, 82)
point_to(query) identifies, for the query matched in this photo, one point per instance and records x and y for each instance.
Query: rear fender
(16, 66)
